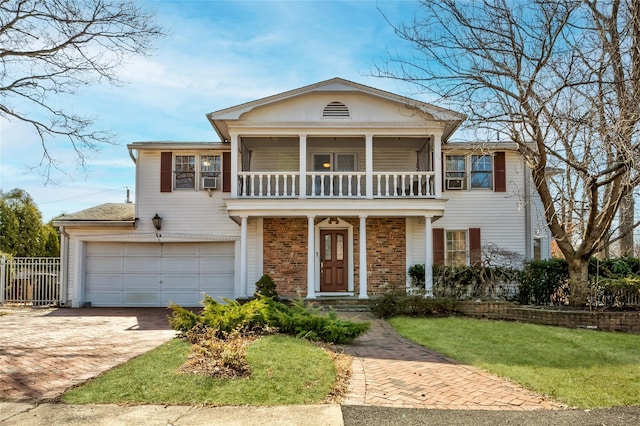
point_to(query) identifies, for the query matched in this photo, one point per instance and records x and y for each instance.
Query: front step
(342, 304)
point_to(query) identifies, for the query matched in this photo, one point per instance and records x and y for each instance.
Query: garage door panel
(217, 264)
(178, 264)
(187, 299)
(180, 282)
(103, 264)
(142, 281)
(181, 250)
(223, 249)
(104, 249)
(209, 282)
(104, 298)
(141, 298)
(134, 265)
(106, 282)
(142, 249)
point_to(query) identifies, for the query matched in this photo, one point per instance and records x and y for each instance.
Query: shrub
(395, 304)
(542, 280)
(265, 286)
(220, 357)
(262, 315)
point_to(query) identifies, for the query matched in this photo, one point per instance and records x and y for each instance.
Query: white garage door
(154, 274)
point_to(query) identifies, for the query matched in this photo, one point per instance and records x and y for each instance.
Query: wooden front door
(333, 260)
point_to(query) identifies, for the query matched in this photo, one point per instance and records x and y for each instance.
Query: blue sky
(218, 54)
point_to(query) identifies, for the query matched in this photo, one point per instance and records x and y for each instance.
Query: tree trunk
(626, 225)
(578, 281)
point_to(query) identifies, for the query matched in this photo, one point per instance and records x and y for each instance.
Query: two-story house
(333, 189)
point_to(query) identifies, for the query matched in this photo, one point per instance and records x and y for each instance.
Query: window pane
(481, 175)
(322, 162)
(339, 247)
(185, 171)
(456, 248)
(327, 247)
(346, 163)
(455, 166)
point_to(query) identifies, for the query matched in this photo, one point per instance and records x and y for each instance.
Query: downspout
(64, 270)
(528, 235)
(133, 158)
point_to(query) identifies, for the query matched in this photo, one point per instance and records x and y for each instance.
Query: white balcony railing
(336, 185)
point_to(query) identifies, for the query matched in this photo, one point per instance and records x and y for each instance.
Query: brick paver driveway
(44, 352)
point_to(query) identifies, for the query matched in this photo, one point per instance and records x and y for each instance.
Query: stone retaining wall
(607, 321)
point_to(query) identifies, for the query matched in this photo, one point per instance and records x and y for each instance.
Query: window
(481, 171)
(185, 172)
(478, 168)
(455, 172)
(537, 247)
(209, 166)
(456, 248)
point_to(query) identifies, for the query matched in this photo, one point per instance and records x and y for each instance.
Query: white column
(311, 258)
(78, 276)
(437, 165)
(368, 153)
(428, 260)
(234, 165)
(243, 257)
(363, 258)
(303, 166)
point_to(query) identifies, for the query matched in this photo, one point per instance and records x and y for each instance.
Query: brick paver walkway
(44, 352)
(388, 370)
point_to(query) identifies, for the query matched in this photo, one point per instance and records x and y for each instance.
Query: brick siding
(285, 253)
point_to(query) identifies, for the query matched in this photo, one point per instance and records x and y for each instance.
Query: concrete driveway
(44, 352)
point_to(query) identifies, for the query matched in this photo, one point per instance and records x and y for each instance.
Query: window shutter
(475, 246)
(166, 171)
(226, 172)
(499, 172)
(438, 246)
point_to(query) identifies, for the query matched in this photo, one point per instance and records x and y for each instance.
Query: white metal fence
(30, 281)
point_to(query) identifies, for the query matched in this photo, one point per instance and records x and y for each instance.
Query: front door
(333, 260)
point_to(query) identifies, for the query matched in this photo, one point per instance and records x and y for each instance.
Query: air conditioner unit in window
(454, 183)
(210, 183)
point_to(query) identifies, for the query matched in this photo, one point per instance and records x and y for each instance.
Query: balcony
(348, 184)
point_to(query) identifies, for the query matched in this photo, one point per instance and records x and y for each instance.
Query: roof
(480, 146)
(218, 118)
(104, 214)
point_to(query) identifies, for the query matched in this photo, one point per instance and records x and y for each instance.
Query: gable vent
(336, 110)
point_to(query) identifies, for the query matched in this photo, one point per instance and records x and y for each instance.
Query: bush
(393, 304)
(542, 280)
(220, 357)
(262, 315)
(265, 286)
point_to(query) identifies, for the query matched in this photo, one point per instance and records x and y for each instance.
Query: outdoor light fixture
(157, 221)
(326, 165)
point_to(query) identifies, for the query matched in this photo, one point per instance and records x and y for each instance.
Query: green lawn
(582, 368)
(285, 371)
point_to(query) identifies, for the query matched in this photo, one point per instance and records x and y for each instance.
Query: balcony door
(333, 162)
(333, 260)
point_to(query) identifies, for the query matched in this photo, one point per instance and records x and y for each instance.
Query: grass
(285, 371)
(581, 368)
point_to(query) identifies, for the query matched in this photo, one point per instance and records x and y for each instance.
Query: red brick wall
(386, 254)
(285, 253)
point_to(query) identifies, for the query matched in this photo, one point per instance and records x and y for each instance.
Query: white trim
(363, 292)
(78, 273)
(158, 237)
(437, 164)
(302, 139)
(428, 258)
(311, 258)
(243, 256)
(234, 165)
(341, 224)
(369, 165)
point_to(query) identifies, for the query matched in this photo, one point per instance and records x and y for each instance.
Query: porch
(316, 167)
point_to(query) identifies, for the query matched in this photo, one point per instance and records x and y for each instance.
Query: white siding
(182, 211)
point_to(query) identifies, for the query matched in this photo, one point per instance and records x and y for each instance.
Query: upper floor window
(209, 166)
(184, 172)
(473, 171)
(481, 171)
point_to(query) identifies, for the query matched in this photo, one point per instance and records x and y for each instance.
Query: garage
(155, 274)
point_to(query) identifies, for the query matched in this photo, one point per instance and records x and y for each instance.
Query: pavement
(44, 352)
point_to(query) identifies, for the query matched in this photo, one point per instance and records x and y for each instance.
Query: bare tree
(53, 48)
(562, 79)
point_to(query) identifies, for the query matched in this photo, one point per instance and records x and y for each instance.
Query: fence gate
(30, 281)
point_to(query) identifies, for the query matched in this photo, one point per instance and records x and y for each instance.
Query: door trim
(328, 224)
